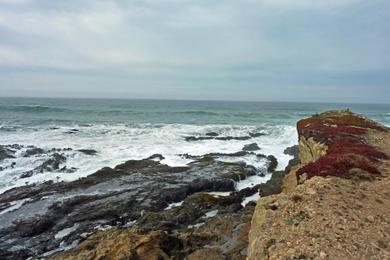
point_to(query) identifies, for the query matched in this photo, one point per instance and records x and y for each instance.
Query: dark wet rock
(236, 154)
(33, 226)
(88, 151)
(273, 163)
(27, 174)
(214, 134)
(68, 170)
(201, 184)
(193, 209)
(72, 131)
(251, 147)
(272, 186)
(228, 138)
(50, 165)
(6, 152)
(212, 156)
(156, 156)
(247, 191)
(256, 134)
(115, 197)
(33, 151)
(220, 138)
(251, 171)
(291, 163)
(4, 206)
(293, 151)
(200, 138)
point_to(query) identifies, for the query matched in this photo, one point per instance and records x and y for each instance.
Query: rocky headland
(336, 203)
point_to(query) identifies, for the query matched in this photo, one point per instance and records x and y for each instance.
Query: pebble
(311, 191)
(323, 255)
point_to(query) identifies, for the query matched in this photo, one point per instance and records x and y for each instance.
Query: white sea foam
(14, 206)
(211, 214)
(254, 197)
(66, 231)
(174, 205)
(118, 143)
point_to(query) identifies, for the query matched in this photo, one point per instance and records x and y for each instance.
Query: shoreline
(203, 208)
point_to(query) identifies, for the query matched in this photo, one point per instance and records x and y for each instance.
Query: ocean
(120, 130)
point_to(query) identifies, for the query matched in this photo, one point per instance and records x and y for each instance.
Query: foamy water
(117, 143)
(120, 130)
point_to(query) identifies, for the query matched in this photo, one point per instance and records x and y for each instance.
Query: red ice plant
(344, 136)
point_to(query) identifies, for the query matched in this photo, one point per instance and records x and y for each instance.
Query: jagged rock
(115, 197)
(33, 151)
(251, 147)
(293, 151)
(6, 152)
(247, 191)
(33, 226)
(53, 163)
(272, 186)
(213, 134)
(158, 157)
(273, 163)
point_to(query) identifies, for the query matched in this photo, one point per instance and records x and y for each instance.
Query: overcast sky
(270, 50)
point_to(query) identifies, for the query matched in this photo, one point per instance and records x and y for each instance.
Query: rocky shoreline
(331, 202)
(136, 197)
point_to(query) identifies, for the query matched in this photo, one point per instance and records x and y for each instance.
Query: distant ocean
(120, 130)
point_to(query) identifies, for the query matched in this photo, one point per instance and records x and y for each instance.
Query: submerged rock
(158, 157)
(88, 151)
(6, 152)
(256, 134)
(251, 147)
(272, 162)
(50, 165)
(33, 151)
(214, 134)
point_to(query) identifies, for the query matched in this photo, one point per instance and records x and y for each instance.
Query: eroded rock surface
(335, 205)
(43, 219)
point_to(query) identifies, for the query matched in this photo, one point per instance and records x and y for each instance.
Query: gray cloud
(250, 49)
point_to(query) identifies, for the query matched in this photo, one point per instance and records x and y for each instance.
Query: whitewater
(121, 130)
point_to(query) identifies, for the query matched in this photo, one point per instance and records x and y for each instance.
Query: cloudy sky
(270, 50)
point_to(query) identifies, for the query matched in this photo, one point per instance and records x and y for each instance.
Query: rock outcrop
(336, 203)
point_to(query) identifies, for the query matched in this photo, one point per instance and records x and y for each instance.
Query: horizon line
(193, 100)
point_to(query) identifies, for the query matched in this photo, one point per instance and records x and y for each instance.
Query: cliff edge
(336, 203)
